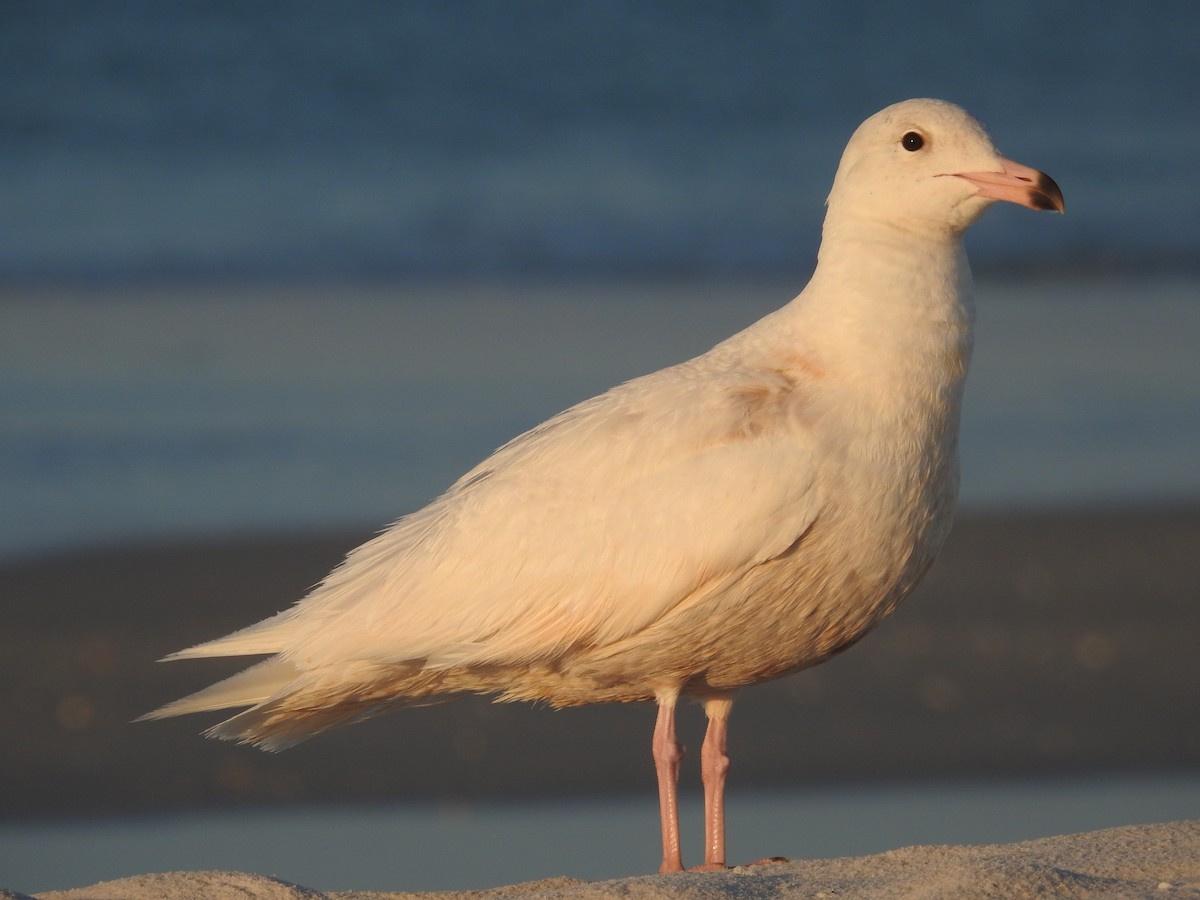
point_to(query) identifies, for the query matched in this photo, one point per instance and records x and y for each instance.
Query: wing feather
(579, 532)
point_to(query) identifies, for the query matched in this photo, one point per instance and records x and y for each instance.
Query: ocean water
(224, 139)
(426, 847)
(299, 265)
(168, 414)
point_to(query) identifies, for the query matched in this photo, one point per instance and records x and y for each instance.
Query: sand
(1133, 862)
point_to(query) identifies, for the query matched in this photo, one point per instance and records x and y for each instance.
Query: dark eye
(912, 142)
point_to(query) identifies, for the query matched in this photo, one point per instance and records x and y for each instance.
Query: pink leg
(714, 765)
(667, 755)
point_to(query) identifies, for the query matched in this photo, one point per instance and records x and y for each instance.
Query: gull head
(929, 163)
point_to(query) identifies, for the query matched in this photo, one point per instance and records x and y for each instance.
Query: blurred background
(273, 274)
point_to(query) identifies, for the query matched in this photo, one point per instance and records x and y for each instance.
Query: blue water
(299, 265)
(466, 846)
(164, 413)
(458, 847)
(217, 139)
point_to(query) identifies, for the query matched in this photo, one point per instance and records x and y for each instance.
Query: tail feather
(277, 725)
(247, 688)
(266, 637)
(287, 705)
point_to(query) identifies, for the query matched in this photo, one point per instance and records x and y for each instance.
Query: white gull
(734, 518)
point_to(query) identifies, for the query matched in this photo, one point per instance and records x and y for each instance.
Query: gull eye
(912, 142)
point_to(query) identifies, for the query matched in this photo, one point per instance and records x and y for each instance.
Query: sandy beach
(1040, 646)
(1044, 646)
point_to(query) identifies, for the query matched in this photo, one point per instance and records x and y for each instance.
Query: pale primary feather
(738, 516)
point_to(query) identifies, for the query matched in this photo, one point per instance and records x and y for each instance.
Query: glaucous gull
(737, 517)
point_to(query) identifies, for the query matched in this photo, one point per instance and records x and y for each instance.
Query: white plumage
(730, 519)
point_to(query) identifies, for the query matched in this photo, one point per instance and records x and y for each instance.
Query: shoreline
(1128, 862)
